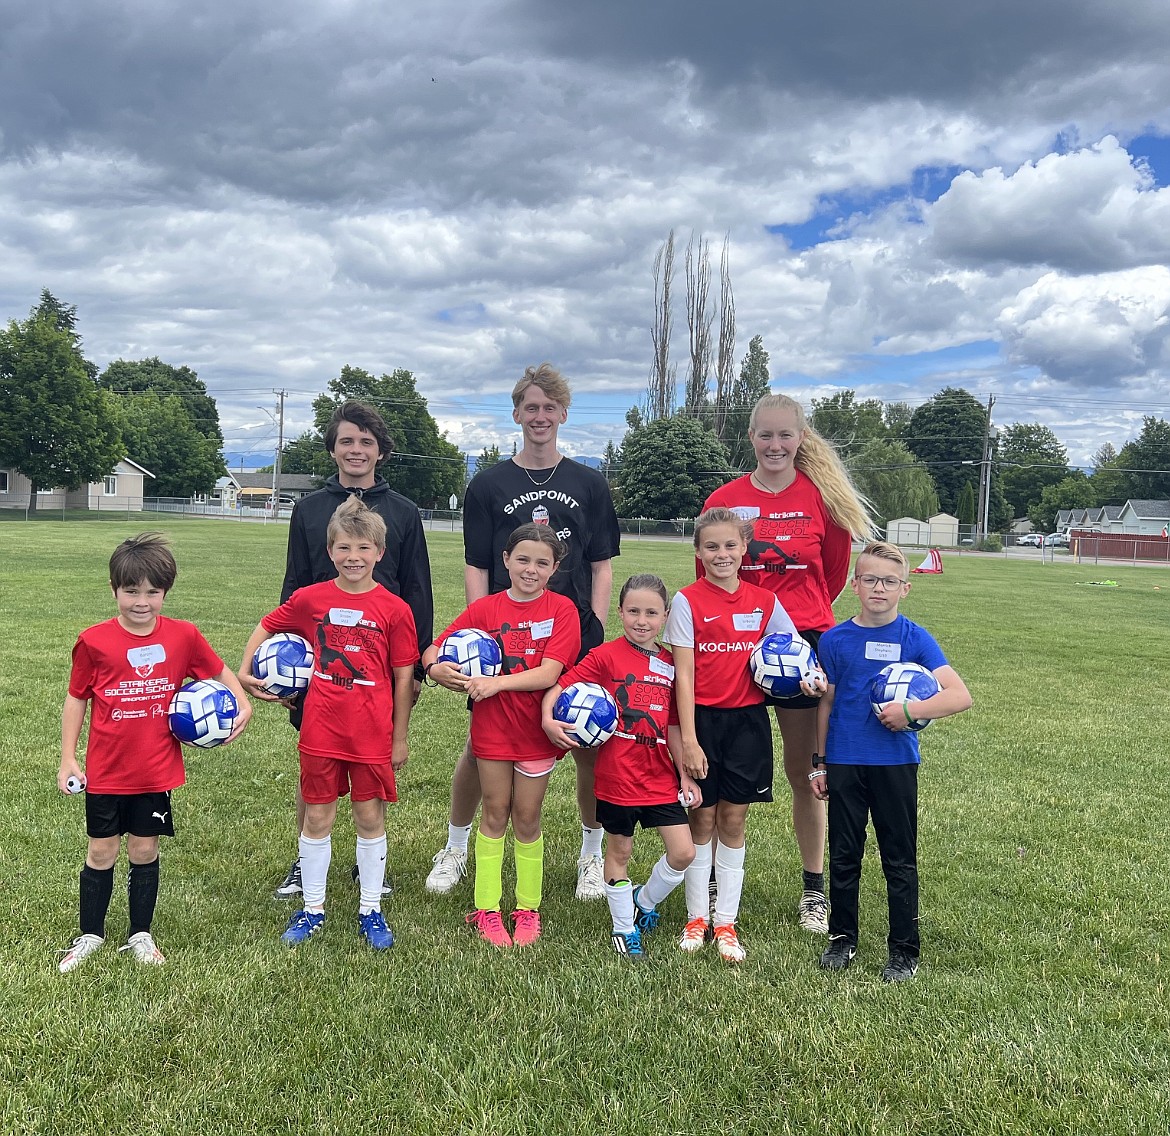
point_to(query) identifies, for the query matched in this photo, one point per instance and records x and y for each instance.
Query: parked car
(1030, 540)
(1056, 540)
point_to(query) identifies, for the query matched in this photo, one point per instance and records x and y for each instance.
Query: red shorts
(324, 779)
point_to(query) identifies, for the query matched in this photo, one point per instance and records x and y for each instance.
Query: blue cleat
(629, 945)
(374, 930)
(302, 926)
(644, 921)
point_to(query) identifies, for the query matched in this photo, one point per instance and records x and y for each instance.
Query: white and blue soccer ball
(780, 661)
(284, 664)
(474, 652)
(203, 713)
(587, 712)
(903, 682)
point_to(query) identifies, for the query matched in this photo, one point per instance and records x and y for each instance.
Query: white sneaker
(590, 878)
(142, 947)
(78, 951)
(814, 912)
(450, 867)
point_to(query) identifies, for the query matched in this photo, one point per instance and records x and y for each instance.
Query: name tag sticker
(747, 620)
(660, 667)
(146, 656)
(542, 629)
(884, 652)
(344, 616)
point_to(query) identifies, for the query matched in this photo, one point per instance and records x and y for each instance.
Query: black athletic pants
(888, 794)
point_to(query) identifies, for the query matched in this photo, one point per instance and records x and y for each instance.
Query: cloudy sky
(915, 194)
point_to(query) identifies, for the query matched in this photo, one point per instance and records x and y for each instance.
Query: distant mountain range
(249, 461)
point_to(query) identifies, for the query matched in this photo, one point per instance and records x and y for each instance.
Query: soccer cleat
(694, 935)
(450, 867)
(525, 927)
(78, 951)
(900, 967)
(838, 954)
(728, 944)
(387, 886)
(590, 878)
(814, 912)
(490, 927)
(373, 928)
(302, 927)
(628, 944)
(644, 921)
(143, 950)
(291, 885)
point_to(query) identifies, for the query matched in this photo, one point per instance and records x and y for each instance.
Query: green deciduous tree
(56, 426)
(159, 434)
(487, 459)
(425, 466)
(126, 378)
(753, 383)
(1031, 458)
(1147, 462)
(306, 454)
(896, 484)
(847, 423)
(669, 467)
(1073, 492)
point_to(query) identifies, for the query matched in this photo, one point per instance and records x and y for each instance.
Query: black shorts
(738, 745)
(592, 633)
(619, 820)
(798, 701)
(140, 814)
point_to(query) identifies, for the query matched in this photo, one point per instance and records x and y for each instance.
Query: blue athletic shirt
(851, 656)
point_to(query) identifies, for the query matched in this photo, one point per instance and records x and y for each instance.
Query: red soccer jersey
(634, 767)
(129, 681)
(722, 628)
(506, 727)
(797, 550)
(358, 639)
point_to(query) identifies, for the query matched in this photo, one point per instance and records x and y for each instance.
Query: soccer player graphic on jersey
(327, 655)
(770, 557)
(510, 664)
(632, 715)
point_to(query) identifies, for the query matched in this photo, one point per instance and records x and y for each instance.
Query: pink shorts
(324, 779)
(537, 767)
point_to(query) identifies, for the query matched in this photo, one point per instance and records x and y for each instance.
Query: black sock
(97, 885)
(814, 881)
(143, 887)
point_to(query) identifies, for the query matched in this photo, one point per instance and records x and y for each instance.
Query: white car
(1031, 540)
(1056, 540)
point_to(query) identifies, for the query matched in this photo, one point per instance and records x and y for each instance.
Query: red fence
(1118, 546)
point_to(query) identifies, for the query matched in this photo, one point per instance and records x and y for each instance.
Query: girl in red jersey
(635, 778)
(539, 635)
(723, 738)
(804, 511)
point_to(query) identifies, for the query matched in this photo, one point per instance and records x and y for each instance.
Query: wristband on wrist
(906, 711)
(818, 773)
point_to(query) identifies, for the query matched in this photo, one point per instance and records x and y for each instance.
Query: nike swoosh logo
(764, 789)
(708, 618)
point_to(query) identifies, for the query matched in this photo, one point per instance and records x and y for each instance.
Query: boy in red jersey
(539, 634)
(635, 776)
(723, 739)
(356, 712)
(127, 669)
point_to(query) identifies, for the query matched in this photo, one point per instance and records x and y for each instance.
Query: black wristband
(818, 762)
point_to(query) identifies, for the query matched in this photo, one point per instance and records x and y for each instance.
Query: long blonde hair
(818, 460)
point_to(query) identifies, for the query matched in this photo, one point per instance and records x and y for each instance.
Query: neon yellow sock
(489, 872)
(529, 874)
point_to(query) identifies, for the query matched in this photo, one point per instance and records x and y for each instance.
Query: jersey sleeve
(564, 644)
(203, 662)
(927, 652)
(680, 625)
(284, 618)
(779, 620)
(81, 674)
(477, 528)
(836, 549)
(404, 640)
(589, 669)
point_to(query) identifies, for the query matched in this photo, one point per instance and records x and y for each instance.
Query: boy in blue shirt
(870, 763)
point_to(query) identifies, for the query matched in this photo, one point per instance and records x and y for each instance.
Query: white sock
(315, 856)
(621, 906)
(695, 880)
(663, 880)
(457, 837)
(591, 841)
(371, 862)
(729, 881)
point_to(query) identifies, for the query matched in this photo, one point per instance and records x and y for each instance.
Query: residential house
(121, 489)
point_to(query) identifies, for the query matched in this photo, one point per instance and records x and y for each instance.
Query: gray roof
(1111, 512)
(1152, 510)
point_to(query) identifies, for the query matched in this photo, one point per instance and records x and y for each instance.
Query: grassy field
(1041, 1005)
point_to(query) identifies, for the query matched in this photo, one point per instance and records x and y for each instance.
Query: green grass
(1041, 1006)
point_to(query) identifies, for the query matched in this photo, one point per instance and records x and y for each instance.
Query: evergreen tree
(753, 383)
(669, 467)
